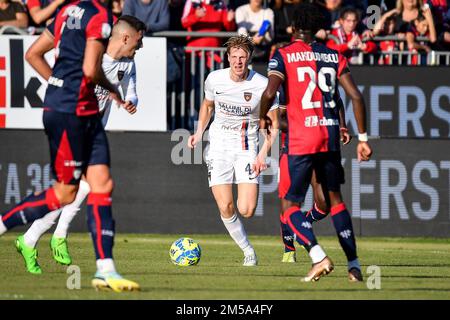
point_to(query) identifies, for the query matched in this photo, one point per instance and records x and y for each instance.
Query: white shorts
(230, 167)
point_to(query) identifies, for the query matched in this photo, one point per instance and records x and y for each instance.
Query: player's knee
(247, 211)
(226, 209)
(66, 195)
(103, 186)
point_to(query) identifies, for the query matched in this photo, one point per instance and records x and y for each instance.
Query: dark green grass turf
(411, 268)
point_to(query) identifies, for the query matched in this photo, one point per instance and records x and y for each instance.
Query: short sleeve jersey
(237, 104)
(69, 90)
(310, 73)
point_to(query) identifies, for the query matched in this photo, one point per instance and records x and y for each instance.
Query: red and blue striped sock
(31, 208)
(344, 229)
(301, 227)
(101, 224)
(287, 236)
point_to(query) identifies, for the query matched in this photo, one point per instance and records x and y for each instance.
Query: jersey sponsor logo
(314, 121)
(312, 56)
(231, 128)
(234, 110)
(55, 81)
(247, 96)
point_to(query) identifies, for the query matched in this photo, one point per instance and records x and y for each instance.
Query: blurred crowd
(349, 26)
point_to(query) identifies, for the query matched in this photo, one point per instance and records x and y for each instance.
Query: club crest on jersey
(247, 96)
(120, 74)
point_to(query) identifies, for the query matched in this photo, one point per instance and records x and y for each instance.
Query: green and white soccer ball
(185, 252)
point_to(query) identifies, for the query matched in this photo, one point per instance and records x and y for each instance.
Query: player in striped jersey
(309, 71)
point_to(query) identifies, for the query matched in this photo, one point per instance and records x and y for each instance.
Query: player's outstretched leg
(26, 244)
(58, 242)
(344, 228)
(297, 221)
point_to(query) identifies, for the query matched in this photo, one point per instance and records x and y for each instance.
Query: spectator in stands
(154, 13)
(207, 15)
(331, 10)
(420, 28)
(405, 13)
(117, 7)
(12, 13)
(258, 22)
(42, 11)
(441, 14)
(346, 40)
(387, 46)
(283, 12)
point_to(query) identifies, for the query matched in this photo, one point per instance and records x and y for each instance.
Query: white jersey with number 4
(122, 74)
(237, 104)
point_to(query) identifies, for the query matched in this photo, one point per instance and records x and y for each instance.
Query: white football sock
(317, 254)
(39, 227)
(106, 265)
(237, 232)
(2, 227)
(354, 264)
(69, 212)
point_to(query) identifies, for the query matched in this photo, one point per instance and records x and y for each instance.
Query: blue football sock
(286, 235)
(101, 224)
(344, 229)
(31, 208)
(299, 225)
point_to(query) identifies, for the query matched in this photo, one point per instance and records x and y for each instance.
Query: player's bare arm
(35, 54)
(92, 68)
(206, 111)
(267, 99)
(269, 139)
(363, 149)
(345, 137)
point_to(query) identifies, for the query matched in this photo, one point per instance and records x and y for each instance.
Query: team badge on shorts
(247, 96)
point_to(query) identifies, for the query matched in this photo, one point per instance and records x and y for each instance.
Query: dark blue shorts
(75, 143)
(296, 172)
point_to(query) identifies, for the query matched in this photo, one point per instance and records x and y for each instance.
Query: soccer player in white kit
(119, 67)
(234, 95)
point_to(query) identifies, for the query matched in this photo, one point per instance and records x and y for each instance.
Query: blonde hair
(242, 41)
(400, 7)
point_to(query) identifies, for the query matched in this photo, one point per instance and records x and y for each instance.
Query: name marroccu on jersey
(234, 132)
(69, 90)
(122, 74)
(236, 119)
(310, 73)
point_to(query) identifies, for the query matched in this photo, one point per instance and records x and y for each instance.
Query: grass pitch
(411, 268)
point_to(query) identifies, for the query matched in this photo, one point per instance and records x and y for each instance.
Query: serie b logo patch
(247, 96)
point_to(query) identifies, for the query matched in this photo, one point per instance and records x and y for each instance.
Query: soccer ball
(185, 252)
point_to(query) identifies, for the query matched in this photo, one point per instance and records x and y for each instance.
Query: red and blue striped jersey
(69, 90)
(310, 73)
